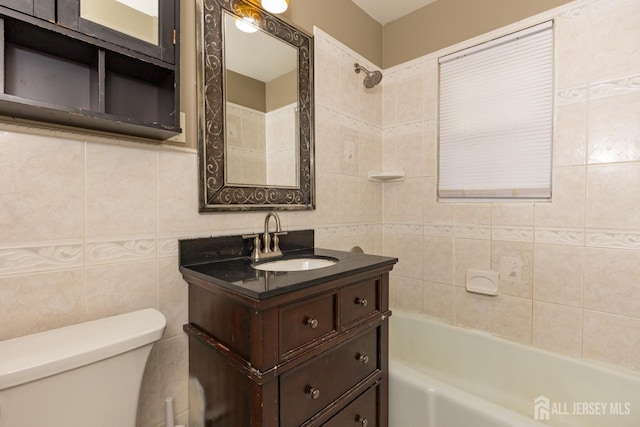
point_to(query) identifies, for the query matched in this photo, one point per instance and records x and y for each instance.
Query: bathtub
(445, 376)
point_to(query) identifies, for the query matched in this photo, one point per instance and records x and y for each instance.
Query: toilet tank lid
(40, 355)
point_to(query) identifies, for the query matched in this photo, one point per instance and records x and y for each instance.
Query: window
(496, 118)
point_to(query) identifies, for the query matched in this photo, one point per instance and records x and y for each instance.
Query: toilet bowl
(84, 375)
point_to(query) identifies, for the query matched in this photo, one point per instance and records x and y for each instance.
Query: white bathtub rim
(510, 374)
(617, 371)
(434, 386)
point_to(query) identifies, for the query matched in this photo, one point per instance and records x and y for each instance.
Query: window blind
(496, 118)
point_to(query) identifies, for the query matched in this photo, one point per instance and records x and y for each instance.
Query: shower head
(371, 79)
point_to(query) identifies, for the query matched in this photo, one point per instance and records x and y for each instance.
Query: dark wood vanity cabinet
(307, 357)
(58, 67)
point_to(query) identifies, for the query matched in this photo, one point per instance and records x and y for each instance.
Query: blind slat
(495, 118)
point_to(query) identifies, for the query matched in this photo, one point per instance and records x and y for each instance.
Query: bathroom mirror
(255, 103)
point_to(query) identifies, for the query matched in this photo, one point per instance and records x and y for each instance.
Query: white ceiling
(385, 11)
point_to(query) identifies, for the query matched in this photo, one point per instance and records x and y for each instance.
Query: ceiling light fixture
(275, 6)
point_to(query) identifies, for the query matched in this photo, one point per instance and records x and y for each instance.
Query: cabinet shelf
(54, 76)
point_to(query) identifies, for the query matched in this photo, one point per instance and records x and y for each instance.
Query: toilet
(82, 375)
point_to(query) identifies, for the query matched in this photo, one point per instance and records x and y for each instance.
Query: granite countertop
(236, 273)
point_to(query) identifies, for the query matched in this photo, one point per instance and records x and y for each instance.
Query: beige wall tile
(408, 248)
(409, 103)
(570, 135)
(572, 48)
(434, 211)
(405, 152)
(178, 196)
(370, 153)
(558, 328)
(566, 208)
(327, 141)
(614, 31)
(612, 339)
(408, 294)
(614, 129)
(327, 76)
(430, 167)
(120, 288)
(39, 302)
(512, 318)
(121, 188)
(470, 254)
(611, 281)
(172, 296)
(389, 106)
(42, 194)
(403, 201)
(558, 274)
(438, 259)
(349, 154)
(360, 200)
(514, 263)
(472, 213)
(327, 189)
(431, 91)
(438, 301)
(371, 104)
(520, 214)
(236, 222)
(612, 201)
(350, 85)
(473, 310)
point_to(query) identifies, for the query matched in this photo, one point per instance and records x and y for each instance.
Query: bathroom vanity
(294, 348)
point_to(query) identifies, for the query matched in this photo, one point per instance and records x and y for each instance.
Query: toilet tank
(84, 375)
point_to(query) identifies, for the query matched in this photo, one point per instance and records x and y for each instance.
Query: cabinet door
(44, 9)
(145, 26)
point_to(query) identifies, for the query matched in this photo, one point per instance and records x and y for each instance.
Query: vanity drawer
(305, 321)
(314, 385)
(361, 412)
(359, 300)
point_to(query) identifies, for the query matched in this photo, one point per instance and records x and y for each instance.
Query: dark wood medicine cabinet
(58, 67)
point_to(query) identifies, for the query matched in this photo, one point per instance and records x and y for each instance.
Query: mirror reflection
(261, 101)
(137, 18)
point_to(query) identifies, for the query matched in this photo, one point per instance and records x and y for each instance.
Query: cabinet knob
(362, 358)
(313, 392)
(312, 323)
(362, 301)
(363, 421)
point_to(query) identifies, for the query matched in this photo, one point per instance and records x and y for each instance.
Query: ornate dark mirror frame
(215, 194)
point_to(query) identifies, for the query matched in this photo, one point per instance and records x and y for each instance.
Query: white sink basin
(295, 264)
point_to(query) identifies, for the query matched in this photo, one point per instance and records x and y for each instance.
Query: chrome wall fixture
(371, 79)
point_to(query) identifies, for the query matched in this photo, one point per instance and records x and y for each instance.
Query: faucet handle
(276, 241)
(256, 245)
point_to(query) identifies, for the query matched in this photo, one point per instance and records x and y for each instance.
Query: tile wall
(89, 226)
(568, 268)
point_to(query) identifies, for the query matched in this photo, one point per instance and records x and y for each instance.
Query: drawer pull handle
(312, 323)
(362, 301)
(363, 421)
(362, 358)
(313, 392)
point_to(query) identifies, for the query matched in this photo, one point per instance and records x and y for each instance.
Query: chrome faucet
(267, 250)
